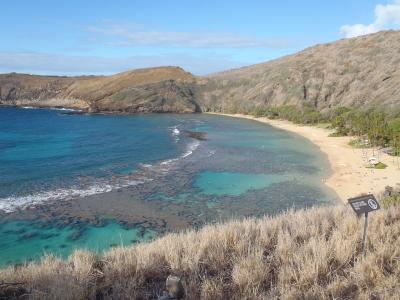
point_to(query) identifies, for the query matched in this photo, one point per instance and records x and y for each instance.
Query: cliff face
(363, 71)
(167, 89)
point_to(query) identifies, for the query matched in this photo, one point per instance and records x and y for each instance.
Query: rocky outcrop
(23, 89)
(167, 89)
(160, 97)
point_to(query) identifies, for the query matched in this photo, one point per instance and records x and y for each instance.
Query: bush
(336, 134)
(391, 200)
(259, 112)
(379, 165)
(358, 143)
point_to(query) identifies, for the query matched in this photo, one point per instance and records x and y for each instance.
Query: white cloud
(56, 64)
(127, 35)
(386, 17)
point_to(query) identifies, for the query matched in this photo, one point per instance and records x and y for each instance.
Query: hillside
(359, 72)
(363, 71)
(309, 254)
(164, 89)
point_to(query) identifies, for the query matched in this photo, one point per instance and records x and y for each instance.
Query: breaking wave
(190, 149)
(51, 108)
(12, 203)
(175, 132)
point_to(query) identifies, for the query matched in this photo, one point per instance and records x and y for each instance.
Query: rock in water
(201, 136)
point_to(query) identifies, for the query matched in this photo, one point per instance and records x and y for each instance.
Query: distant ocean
(236, 168)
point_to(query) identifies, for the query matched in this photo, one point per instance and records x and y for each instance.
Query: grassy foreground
(308, 254)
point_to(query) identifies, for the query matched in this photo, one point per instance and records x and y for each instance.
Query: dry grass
(310, 254)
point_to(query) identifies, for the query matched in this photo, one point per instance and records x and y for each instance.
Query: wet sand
(349, 177)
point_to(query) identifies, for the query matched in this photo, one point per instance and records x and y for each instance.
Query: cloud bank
(128, 35)
(386, 17)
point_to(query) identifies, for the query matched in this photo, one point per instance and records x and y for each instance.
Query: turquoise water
(224, 183)
(44, 153)
(21, 241)
(143, 171)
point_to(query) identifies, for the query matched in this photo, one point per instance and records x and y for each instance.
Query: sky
(104, 37)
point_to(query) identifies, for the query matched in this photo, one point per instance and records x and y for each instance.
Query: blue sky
(104, 37)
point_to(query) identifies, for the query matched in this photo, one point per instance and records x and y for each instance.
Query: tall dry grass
(309, 254)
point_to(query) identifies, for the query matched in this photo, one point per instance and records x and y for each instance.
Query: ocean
(71, 181)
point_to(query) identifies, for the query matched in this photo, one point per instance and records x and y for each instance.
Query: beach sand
(349, 177)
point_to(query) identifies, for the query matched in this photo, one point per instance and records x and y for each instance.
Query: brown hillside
(166, 89)
(363, 71)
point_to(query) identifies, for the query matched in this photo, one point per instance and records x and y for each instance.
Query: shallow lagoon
(88, 174)
(234, 184)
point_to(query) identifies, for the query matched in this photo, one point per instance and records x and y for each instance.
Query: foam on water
(52, 108)
(164, 166)
(10, 204)
(190, 149)
(64, 109)
(176, 131)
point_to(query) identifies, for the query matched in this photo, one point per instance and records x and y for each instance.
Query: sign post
(365, 234)
(364, 205)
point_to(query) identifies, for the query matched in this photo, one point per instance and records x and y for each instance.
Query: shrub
(391, 200)
(336, 134)
(379, 165)
(358, 143)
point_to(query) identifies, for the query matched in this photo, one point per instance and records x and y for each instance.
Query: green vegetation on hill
(301, 115)
(308, 254)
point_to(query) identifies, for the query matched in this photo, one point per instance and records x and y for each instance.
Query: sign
(364, 204)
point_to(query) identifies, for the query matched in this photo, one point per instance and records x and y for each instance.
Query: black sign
(364, 204)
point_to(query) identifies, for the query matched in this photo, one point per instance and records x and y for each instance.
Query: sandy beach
(349, 177)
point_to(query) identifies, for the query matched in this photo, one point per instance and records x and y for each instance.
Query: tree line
(378, 127)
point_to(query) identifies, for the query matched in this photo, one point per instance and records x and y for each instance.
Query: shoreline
(349, 176)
